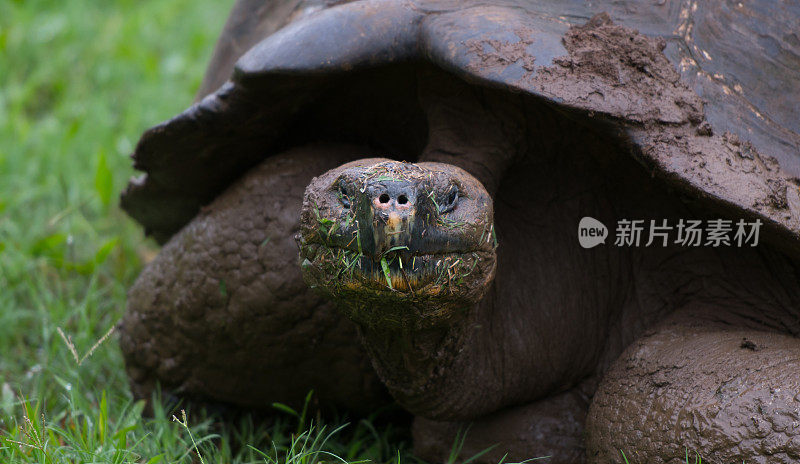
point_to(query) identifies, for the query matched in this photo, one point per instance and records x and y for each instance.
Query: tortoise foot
(552, 427)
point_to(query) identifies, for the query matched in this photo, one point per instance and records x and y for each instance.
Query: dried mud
(622, 75)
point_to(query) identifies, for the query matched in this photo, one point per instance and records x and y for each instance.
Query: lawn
(79, 82)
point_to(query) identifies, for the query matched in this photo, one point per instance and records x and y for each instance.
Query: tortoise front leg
(551, 427)
(223, 313)
(730, 394)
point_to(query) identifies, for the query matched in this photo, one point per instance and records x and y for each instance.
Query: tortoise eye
(343, 195)
(451, 199)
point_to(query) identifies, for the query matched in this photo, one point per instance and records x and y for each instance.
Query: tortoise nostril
(450, 202)
(402, 199)
(384, 198)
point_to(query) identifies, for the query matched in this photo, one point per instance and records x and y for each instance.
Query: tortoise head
(398, 245)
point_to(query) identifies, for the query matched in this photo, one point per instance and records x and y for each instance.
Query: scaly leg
(223, 312)
(731, 394)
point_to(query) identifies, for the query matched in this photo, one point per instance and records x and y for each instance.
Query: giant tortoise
(439, 165)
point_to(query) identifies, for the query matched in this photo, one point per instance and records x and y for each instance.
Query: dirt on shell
(615, 73)
(499, 54)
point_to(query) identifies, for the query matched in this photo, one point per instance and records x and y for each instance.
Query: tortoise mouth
(429, 290)
(398, 273)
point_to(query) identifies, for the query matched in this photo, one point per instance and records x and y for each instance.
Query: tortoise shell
(705, 94)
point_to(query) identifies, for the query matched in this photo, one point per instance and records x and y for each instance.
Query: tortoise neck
(411, 363)
(478, 129)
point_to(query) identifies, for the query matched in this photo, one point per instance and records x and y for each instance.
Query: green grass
(79, 82)
(689, 457)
